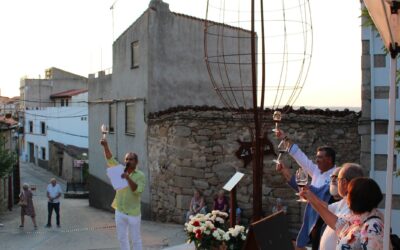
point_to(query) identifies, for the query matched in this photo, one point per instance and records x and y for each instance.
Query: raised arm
(281, 168)
(321, 207)
(295, 152)
(106, 149)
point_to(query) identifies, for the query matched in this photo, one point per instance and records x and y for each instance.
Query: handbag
(22, 202)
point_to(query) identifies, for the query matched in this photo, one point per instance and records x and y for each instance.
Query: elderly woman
(363, 227)
(221, 202)
(197, 205)
(27, 205)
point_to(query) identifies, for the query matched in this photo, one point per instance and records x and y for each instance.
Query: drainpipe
(116, 130)
(10, 193)
(371, 52)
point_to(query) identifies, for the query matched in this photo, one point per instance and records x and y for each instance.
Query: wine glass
(301, 180)
(281, 149)
(104, 130)
(277, 117)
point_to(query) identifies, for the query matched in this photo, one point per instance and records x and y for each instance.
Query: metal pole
(390, 152)
(233, 207)
(257, 164)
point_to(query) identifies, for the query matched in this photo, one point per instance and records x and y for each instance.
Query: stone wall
(193, 148)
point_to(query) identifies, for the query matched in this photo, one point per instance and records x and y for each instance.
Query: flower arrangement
(210, 231)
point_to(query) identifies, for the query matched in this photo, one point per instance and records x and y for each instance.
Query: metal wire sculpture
(258, 55)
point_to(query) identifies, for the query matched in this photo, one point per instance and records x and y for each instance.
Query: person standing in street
(127, 200)
(54, 193)
(26, 203)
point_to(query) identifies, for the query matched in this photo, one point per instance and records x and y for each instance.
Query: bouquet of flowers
(210, 231)
(235, 237)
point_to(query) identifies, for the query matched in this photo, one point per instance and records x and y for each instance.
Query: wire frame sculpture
(258, 55)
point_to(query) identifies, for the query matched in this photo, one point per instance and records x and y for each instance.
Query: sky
(77, 36)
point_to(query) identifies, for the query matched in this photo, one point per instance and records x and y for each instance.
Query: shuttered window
(112, 112)
(135, 54)
(130, 113)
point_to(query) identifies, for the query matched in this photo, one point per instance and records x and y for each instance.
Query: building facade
(158, 64)
(66, 124)
(375, 114)
(35, 93)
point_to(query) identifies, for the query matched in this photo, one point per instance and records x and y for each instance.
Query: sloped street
(82, 227)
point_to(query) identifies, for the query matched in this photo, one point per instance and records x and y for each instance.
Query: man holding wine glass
(320, 173)
(310, 230)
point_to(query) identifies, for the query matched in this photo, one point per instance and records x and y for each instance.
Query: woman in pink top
(221, 202)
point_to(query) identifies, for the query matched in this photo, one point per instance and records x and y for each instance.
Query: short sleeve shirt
(127, 201)
(54, 191)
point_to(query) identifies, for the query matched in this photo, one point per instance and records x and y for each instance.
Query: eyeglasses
(334, 177)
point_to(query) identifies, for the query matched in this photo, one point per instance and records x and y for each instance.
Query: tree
(7, 158)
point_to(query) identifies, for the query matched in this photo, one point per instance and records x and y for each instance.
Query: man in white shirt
(54, 193)
(340, 179)
(320, 173)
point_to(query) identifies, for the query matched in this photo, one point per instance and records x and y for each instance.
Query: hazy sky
(77, 35)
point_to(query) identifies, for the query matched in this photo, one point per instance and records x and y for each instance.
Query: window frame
(43, 151)
(30, 127)
(135, 54)
(130, 131)
(43, 128)
(112, 113)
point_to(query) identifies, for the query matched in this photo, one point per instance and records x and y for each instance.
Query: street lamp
(385, 15)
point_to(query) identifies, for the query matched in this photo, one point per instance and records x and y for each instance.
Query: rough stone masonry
(195, 148)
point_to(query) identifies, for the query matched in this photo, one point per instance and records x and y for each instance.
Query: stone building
(375, 114)
(158, 63)
(195, 148)
(9, 183)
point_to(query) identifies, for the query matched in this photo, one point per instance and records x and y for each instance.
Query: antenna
(112, 17)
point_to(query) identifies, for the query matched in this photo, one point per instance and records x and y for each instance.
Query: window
(62, 102)
(30, 126)
(66, 102)
(380, 61)
(43, 128)
(130, 112)
(112, 112)
(135, 54)
(43, 153)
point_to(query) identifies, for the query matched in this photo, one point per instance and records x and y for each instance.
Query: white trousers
(128, 225)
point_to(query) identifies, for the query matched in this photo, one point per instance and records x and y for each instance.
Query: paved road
(82, 227)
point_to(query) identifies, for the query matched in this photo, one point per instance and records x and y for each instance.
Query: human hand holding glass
(104, 130)
(301, 180)
(281, 149)
(277, 117)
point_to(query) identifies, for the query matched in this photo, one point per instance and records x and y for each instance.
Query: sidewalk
(82, 227)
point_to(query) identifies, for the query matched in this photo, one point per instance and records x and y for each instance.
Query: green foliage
(366, 18)
(397, 146)
(7, 158)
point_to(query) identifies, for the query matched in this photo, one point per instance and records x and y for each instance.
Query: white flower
(243, 237)
(219, 219)
(189, 228)
(216, 235)
(224, 214)
(226, 236)
(209, 225)
(233, 231)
